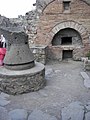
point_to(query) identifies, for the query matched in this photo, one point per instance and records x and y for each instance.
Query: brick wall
(53, 19)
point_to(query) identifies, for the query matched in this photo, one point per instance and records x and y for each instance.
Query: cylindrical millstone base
(23, 81)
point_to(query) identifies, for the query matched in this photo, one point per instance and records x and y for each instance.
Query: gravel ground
(64, 85)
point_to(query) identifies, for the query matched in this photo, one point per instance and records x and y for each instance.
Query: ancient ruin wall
(53, 13)
(53, 18)
(28, 23)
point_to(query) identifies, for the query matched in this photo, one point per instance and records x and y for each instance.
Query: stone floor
(64, 97)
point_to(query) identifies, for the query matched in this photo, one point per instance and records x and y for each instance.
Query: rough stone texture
(16, 56)
(3, 102)
(17, 82)
(86, 79)
(84, 75)
(39, 115)
(39, 53)
(87, 83)
(4, 114)
(87, 65)
(18, 114)
(87, 116)
(76, 39)
(5, 22)
(3, 99)
(74, 111)
(29, 24)
(87, 1)
(42, 32)
(4, 95)
(77, 19)
(61, 90)
(88, 106)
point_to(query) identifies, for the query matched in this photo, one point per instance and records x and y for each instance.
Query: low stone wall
(39, 53)
(18, 82)
(56, 52)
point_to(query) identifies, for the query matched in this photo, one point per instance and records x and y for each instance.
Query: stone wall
(48, 19)
(5, 22)
(54, 18)
(29, 24)
(39, 53)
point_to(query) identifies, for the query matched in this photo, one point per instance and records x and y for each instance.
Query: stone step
(84, 75)
(86, 79)
(87, 83)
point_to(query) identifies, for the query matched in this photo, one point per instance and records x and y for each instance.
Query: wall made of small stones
(28, 23)
(39, 53)
(19, 84)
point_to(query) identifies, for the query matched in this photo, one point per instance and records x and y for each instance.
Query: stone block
(18, 114)
(84, 75)
(39, 115)
(74, 111)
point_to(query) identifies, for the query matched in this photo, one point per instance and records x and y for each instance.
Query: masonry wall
(54, 14)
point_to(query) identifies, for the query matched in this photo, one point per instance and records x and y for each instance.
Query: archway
(70, 24)
(67, 37)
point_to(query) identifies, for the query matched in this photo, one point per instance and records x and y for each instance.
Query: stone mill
(20, 73)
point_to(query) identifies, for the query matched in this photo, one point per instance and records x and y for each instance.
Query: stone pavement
(86, 79)
(74, 111)
(64, 97)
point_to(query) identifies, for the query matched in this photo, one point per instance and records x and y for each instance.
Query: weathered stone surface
(4, 95)
(3, 99)
(17, 82)
(49, 72)
(29, 24)
(4, 114)
(39, 53)
(3, 102)
(58, 20)
(39, 115)
(84, 75)
(5, 22)
(86, 79)
(87, 83)
(18, 114)
(87, 116)
(87, 1)
(16, 56)
(87, 65)
(74, 111)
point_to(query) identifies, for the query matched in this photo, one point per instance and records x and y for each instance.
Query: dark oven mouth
(66, 41)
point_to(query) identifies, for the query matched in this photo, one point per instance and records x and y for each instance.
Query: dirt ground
(64, 85)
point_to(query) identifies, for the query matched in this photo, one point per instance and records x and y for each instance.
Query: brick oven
(64, 27)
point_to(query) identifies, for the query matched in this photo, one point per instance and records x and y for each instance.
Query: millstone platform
(22, 81)
(20, 73)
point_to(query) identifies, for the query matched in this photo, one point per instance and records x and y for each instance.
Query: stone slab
(39, 115)
(3, 102)
(87, 83)
(18, 114)
(4, 114)
(74, 111)
(6, 72)
(4, 95)
(84, 75)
